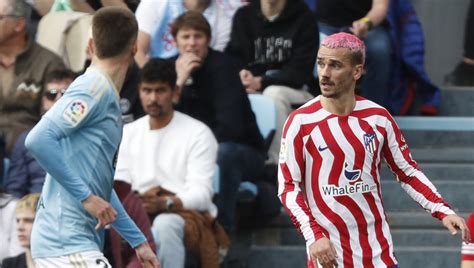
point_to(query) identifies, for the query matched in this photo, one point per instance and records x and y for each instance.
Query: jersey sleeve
(43, 142)
(124, 225)
(291, 175)
(71, 113)
(397, 154)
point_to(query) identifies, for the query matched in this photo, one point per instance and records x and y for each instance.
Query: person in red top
(467, 253)
(329, 167)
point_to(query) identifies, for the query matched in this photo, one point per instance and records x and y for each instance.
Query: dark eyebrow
(330, 60)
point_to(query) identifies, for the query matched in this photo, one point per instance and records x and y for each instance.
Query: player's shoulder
(311, 106)
(307, 110)
(309, 113)
(369, 108)
(373, 113)
(94, 83)
(363, 103)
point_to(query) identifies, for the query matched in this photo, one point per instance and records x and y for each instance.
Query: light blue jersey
(75, 142)
(161, 44)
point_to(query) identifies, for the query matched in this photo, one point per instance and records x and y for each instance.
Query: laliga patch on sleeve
(75, 112)
(283, 151)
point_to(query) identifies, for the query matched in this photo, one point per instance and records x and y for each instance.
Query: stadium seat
(66, 34)
(265, 112)
(216, 180)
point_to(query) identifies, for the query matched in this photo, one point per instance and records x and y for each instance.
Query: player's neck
(342, 105)
(115, 68)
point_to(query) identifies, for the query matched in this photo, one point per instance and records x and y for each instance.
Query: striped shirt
(329, 179)
(468, 249)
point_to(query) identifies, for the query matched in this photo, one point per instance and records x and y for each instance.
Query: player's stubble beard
(334, 94)
(338, 89)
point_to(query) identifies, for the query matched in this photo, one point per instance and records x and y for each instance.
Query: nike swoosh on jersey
(320, 148)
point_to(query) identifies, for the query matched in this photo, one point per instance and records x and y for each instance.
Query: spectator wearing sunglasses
(25, 175)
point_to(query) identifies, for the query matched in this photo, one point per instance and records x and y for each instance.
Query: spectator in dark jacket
(25, 175)
(277, 42)
(211, 92)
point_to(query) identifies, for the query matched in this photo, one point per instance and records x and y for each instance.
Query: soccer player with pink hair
(329, 167)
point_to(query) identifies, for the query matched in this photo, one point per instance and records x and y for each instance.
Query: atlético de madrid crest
(370, 142)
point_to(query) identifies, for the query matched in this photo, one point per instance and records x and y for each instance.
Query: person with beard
(169, 159)
(329, 170)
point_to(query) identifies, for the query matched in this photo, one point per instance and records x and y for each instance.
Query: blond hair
(28, 202)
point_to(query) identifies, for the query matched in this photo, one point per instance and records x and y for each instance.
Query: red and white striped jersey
(329, 179)
(468, 249)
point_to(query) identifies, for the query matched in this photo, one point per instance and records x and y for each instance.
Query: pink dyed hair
(349, 41)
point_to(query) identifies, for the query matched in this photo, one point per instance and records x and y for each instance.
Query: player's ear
(358, 71)
(90, 48)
